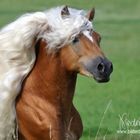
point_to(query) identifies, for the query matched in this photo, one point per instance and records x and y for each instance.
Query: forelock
(63, 30)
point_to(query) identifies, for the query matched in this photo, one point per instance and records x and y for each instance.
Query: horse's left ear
(90, 15)
(65, 11)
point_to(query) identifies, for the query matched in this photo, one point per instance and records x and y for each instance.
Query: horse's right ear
(90, 15)
(65, 11)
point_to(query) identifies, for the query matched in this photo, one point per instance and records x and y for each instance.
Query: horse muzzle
(100, 68)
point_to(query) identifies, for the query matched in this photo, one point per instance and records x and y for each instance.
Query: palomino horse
(45, 110)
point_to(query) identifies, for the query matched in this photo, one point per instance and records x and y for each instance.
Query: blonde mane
(17, 53)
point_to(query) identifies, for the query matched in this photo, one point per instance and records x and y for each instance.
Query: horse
(45, 109)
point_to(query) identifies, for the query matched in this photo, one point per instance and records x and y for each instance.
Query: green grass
(118, 22)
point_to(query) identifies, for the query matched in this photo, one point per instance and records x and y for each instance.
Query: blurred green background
(118, 22)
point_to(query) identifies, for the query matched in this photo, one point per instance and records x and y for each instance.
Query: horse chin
(102, 80)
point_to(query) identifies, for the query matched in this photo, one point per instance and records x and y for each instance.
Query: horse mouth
(99, 79)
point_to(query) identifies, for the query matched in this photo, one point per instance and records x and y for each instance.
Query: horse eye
(75, 40)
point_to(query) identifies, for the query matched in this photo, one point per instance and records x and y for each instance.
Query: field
(104, 108)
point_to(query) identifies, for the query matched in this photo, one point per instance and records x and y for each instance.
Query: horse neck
(50, 80)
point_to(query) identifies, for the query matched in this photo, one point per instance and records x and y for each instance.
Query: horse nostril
(111, 67)
(101, 67)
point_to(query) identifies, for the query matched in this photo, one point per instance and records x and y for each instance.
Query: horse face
(85, 56)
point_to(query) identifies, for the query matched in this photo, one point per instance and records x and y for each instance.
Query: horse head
(84, 55)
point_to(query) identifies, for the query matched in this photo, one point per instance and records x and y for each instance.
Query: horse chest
(49, 121)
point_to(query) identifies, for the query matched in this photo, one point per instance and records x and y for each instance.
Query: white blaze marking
(87, 34)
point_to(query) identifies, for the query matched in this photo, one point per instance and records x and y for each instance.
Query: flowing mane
(17, 53)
